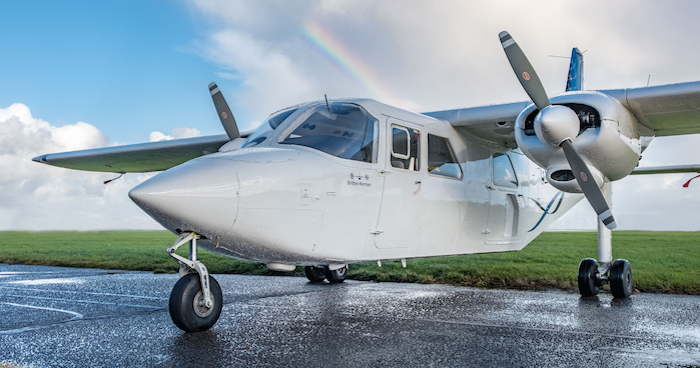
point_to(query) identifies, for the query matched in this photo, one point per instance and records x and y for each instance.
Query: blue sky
(83, 74)
(128, 66)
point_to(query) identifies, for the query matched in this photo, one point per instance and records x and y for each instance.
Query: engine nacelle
(608, 139)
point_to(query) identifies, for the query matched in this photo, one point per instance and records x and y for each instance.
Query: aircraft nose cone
(200, 195)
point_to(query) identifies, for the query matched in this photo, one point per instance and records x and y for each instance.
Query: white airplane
(328, 183)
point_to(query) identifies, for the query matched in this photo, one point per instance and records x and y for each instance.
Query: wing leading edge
(143, 157)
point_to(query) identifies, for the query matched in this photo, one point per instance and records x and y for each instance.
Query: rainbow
(354, 67)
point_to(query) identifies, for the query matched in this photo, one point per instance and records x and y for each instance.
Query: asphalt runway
(67, 317)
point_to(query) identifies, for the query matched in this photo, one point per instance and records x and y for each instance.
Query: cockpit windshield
(343, 130)
(267, 126)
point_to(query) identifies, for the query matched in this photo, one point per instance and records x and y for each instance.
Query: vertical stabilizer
(575, 79)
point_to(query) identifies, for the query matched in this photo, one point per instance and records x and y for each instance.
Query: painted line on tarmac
(76, 316)
(86, 293)
(83, 301)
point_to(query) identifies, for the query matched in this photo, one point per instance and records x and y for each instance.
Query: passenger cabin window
(405, 144)
(441, 158)
(503, 171)
(340, 129)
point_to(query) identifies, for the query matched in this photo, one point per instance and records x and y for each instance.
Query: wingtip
(41, 159)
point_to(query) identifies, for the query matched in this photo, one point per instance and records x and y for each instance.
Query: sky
(84, 74)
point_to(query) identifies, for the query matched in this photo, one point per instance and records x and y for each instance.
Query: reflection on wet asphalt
(66, 317)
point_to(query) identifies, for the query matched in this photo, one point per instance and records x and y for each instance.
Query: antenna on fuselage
(327, 105)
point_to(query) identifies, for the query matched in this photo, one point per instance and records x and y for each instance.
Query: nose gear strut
(191, 265)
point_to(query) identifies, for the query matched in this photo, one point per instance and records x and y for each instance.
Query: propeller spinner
(556, 125)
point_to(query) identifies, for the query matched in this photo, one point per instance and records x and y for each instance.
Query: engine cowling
(608, 139)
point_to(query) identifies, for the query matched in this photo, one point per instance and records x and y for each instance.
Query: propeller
(224, 112)
(558, 126)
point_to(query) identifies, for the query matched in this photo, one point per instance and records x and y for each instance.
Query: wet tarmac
(66, 317)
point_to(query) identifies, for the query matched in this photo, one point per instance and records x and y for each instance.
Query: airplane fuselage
(411, 186)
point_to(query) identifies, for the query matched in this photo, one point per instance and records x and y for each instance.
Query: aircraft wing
(493, 122)
(143, 157)
(671, 109)
(670, 169)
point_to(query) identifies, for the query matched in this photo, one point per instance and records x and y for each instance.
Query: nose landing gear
(196, 299)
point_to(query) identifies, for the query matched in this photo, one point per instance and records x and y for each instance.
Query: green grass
(667, 262)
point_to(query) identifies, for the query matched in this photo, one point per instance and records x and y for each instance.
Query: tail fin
(575, 79)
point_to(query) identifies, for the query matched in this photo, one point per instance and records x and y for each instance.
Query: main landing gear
(618, 273)
(591, 277)
(196, 300)
(332, 273)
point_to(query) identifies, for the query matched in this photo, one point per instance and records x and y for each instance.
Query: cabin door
(398, 225)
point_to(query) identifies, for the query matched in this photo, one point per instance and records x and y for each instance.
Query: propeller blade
(524, 71)
(224, 112)
(588, 185)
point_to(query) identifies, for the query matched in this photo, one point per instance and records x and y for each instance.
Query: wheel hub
(200, 307)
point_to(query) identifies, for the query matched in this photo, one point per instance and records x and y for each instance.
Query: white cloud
(177, 133)
(186, 133)
(158, 136)
(39, 197)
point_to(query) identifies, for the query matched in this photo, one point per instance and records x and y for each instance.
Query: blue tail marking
(575, 80)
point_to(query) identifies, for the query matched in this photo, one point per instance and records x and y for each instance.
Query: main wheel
(588, 277)
(187, 307)
(336, 276)
(621, 279)
(315, 274)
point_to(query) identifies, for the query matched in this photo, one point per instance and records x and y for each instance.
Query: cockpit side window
(405, 144)
(267, 126)
(340, 129)
(503, 171)
(441, 158)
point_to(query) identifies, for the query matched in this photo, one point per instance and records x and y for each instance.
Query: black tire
(315, 274)
(588, 277)
(621, 284)
(336, 276)
(188, 316)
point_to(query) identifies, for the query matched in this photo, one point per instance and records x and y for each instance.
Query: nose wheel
(188, 309)
(196, 300)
